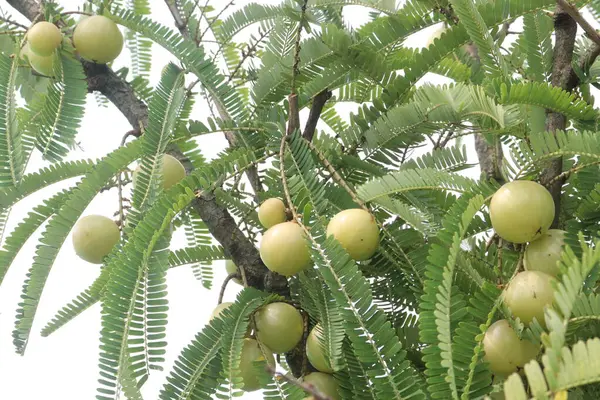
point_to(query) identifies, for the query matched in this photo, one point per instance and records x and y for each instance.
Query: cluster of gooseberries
(522, 212)
(94, 236)
(284, 249)
(96, 38)
(279, 326)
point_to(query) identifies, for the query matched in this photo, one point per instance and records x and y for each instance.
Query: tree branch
(180, 23)
(564, 77)
(315, 114)
(251, 173)
(218, 220)
(573, 12)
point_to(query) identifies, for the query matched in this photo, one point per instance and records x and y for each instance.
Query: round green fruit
(271, 212)
(543, 254)
(94, 236)
(357, 232)
(529, 351)
(315, 353)
(503, 348)
(279, 326)
(284, 250)
(251, 353)
(98, 39)
(173, 171)
(521, 211)
(527, 295)
(324, 383)
(231, 268)
(44, 38)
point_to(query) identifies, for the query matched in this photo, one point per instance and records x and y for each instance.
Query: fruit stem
(224, 285)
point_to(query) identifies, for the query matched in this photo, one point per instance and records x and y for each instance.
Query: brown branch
(490, 158)
(565, 78)
(307, 387)
(11, 22)
(573, 12)
(315, 114)
(218, 220)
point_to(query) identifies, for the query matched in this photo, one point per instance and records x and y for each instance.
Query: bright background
(64, 365)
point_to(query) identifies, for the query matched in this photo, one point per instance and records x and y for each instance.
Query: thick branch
(29, 8)
(490, 156)
(220, 223)
(315, 114)
(573, 12)
(564, 77)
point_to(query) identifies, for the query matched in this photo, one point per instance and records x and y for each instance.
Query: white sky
(64, 365)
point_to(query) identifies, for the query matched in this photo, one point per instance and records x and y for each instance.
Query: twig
(564, 175)
(315, 114)
(11, 22)
(286, 190)
(574, 13)
(336, 177)
(490, 241)
(224, 285)
(136, 133)
(295, 70)
(304, 386)
(180, 24)
(77, 13)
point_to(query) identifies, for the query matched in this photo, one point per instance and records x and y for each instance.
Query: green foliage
(409, 323)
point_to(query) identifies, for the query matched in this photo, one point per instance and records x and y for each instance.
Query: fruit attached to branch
(271, 212)
(316, 353)
(252, 353)
(527, 295)
(44, 38)
(94, 236)
(357, 231)
(279, 326)
(543, 254)
(98, 39)
(284, 250)
(521, 211)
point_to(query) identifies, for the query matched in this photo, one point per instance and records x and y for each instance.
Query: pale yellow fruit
(315, 353)
(543, 254)
(284, 249)
(279, 326)
(324, 383)
(44, 38)
(251, 353)
(357, 232)
(231, 268)
(271, 212)
(218, 309)
(527, 295)
(42, 65)
(521, 211)
(94, 236)
(502, 348)
(173, 171)
(98, 39)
